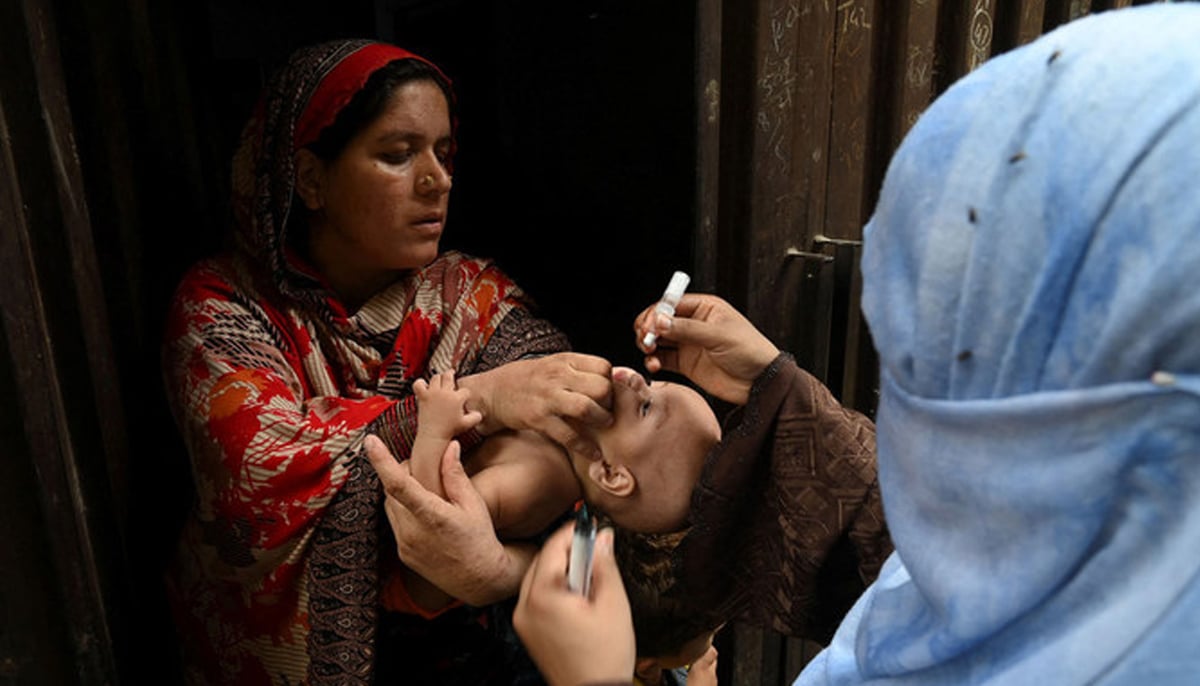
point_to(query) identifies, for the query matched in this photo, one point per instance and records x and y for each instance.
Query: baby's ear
(615, 480)
(647, 669)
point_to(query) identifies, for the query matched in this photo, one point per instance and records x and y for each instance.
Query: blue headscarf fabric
(1032, 283)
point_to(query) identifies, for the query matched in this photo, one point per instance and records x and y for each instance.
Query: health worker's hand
(551, 394)
(709, 342)
(576, 639)
(451, 541)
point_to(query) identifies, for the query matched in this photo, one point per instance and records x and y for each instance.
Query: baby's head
(652, 453)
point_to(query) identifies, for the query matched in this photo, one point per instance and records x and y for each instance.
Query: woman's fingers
(606, 576)
(552, 560)
(569, 437)
(455, 482)
(390, 472)
(588, 364)
(399, 483)
(582, 385)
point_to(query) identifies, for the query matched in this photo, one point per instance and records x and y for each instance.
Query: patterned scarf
(1032, 281)
(274, 384)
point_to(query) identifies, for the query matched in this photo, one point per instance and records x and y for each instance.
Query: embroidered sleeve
(787, 525)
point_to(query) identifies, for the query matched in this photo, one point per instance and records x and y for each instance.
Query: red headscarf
(346, 78)
(298, 104)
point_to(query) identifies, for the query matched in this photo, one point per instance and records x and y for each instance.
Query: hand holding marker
(666, 305)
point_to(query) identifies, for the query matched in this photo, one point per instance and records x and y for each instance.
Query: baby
(652, 454)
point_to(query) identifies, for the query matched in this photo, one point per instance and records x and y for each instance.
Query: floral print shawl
(274, 385)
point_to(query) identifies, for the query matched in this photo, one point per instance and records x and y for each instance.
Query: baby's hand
(441, 406)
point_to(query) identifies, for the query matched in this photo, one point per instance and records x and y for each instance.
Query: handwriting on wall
(854, 27)
(712, 100)
(918, 68)
(981, 34)
(776, 86)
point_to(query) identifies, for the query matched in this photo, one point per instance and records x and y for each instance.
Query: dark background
(575, 171)
(575, 167)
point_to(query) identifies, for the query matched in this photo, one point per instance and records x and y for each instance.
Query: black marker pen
(579, 567)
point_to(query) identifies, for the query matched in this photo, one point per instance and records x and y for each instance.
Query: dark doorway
(575, 167)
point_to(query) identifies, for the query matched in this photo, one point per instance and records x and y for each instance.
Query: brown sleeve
(787, 523)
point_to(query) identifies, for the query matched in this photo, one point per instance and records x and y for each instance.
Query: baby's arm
(526, 480)
(441, 415)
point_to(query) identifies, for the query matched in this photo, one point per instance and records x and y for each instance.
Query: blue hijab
(1032, 283)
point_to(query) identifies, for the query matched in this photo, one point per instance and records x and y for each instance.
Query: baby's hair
(664, 620)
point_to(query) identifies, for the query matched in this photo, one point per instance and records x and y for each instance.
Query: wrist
(758, 358)
(479, 400)
(431, 438)
(507, 572)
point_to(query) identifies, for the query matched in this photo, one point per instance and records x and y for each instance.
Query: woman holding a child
(284, 353)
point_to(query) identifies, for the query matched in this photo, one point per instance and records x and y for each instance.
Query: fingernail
(663, 322)
(604, 541)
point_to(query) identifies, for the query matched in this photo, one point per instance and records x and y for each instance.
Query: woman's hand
(449, 541)
(576, 639)
(549, 394)
(709, 342)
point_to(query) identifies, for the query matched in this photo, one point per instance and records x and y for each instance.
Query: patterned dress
(274, 385)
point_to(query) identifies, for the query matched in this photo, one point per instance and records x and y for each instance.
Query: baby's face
(656, 421)
(662, 433)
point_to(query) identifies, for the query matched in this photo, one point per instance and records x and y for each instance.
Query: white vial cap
(678, 284)
(670, 298)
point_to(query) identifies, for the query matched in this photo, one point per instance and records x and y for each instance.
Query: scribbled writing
(981, 34)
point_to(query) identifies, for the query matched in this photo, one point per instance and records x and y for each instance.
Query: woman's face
(380, 206)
